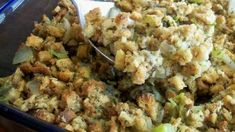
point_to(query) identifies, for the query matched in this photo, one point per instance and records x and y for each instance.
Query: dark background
(2, 2)
(17, 27)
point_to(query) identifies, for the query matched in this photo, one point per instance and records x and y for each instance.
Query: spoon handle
(98, 50)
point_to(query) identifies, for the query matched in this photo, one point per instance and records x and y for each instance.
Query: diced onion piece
(113, 12)
(23, 55)
(231, 6)
(33, 86)
(67, 27)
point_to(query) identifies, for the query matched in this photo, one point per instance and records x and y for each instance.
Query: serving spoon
(84, 6)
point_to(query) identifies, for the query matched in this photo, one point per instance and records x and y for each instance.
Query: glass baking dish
(17, 18)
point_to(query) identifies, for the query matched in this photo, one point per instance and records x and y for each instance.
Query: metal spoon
(83, 7)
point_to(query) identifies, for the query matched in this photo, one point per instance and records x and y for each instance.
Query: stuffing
(76, 32)
(125, 5)
(96, 127)
(136, 15)
(200, 53)
(34, 41)
(150, 105)
(204, 14)
(71, 100)
(55, 31)
(36, 68)
(152, 20)
(140, 76)
(173, 68)
(66, 116)
(65, 76)
(113, 125)
(177, 82)
(120, 60)
(44, 56)
(183, 56)
(121, 19)
(79, 124)
(191, 69)
(83, 51)
(44, 102)
(45, 115)
(143, 123)
(64, 64)
(126, 119)
(210, 77)
(84, 71)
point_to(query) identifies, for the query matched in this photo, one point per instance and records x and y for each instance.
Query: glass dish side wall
(17, 25)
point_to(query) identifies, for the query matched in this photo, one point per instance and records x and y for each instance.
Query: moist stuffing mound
(174, 68)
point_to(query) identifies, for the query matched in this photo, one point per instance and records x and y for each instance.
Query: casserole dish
(177, 74)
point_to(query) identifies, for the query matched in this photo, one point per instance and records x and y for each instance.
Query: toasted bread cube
(140, 75)
(65, 76)
(120, 60)
(64, 64)
(177, 82)
(55, 31)
(34, 41)
(84, 71)
(45, 115)
(83, 51)
(44, 56)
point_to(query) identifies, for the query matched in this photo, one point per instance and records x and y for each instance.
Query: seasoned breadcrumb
(174, 66)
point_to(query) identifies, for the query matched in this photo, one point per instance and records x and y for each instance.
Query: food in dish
(174, 68)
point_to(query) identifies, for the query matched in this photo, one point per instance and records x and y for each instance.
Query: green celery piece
(217, 53)
(197, 1)
(59, 54)
(164, 128)
(172, 102)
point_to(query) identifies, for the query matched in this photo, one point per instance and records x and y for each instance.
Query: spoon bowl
(83, 7)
